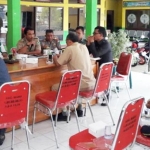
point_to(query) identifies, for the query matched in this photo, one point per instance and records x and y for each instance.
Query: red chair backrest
(104, 77)
(69, 86)
(14, 97)
(124, 63)
(128, 124)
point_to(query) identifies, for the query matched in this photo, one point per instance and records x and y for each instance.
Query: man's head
(29, 33)
(99, 33)
(71, 38)
(80, 32)
(49, 35)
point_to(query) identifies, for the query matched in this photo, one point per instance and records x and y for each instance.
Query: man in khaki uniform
(76, 56)
(29, 44)
(50, 41)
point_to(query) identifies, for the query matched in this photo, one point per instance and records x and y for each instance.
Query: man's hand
(56, 39)
(55, 57)
(90, 39)
(30, 43)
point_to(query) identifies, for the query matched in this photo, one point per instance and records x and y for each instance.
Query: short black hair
(101, 30)
(80, 28)
(72, 37)
(27, 29)
(49, 31)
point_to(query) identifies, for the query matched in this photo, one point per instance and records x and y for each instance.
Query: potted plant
(118, 41)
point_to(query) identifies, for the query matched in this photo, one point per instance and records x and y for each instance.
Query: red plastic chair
(14, 106)
(123, 70)
(125, 134)
(67, 95)
(142, 140)
(102, 85)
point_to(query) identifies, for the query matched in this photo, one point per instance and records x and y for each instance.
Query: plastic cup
(108, 134)
(10, 56)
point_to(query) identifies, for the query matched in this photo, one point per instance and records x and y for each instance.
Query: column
(91, 16)
(65, 21)
(14, 23)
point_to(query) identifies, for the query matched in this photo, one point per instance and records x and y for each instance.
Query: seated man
(76, 57)
(4, 77)
(29, 44)
(80, 33)
(50, 41)
(98, 46)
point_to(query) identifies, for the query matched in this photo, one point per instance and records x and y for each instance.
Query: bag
(145, 130)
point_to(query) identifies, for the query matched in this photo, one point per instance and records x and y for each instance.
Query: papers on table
(97, 58)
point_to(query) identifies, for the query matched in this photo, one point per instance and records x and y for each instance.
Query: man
(76, 56)
(80, 33)
(29, 44)
(50, 41)
(98, 46)
(4, 77)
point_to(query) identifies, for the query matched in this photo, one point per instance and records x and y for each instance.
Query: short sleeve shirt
(76, 57)
(23, 42)
(52, 45)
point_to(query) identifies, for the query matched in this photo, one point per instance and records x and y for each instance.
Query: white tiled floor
(43, 137)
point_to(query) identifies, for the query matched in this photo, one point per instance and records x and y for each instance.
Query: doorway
(110, 20)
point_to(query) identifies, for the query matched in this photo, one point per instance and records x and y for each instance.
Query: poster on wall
(136, 4)
(144, 19)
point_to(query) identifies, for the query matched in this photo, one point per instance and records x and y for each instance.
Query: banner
(136, 4)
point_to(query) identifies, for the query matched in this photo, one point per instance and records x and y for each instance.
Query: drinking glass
(10, 56)
(23, 60)
(108, 134)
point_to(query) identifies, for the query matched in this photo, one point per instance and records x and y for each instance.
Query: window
(138, 19)
(49, 18)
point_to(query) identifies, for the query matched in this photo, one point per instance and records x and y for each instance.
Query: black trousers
(2, 131)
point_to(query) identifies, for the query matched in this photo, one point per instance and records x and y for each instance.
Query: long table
(41, 77)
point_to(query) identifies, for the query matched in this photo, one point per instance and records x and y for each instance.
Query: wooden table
(41, 77)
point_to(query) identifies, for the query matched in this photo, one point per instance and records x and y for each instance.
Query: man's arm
(55, 57)
(99, 51)
(58, 45)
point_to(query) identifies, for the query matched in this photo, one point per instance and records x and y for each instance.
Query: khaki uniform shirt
(52, 45)
(23, 42)
(76, 57)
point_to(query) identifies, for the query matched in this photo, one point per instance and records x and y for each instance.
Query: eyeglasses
(94, 33)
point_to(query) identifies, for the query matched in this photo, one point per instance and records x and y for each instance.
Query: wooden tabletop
(42, 63)
(17, 67)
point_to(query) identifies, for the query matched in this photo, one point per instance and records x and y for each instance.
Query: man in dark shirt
(4, 77)
(80, 33)
(98, 46)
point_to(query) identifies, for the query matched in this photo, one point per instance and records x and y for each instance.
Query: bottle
(50, 58)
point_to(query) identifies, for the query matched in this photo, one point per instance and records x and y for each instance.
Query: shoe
(2, 138)
(61, 117)
(80, 113)
(103, 104)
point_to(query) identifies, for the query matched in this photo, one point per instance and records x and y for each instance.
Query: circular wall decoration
(144, 19)
(131, 18)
